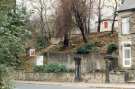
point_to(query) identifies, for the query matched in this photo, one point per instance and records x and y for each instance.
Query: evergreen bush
(112, 48)
(51, 68)
(6, 78)
(87, 48)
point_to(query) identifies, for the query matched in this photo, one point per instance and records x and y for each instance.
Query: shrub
(87, 48)
(38, 69)
(40, 44)
(50, 68)
(112, 48)
(82, 51)
(5, 78)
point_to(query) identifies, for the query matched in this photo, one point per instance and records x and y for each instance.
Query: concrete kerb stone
(84, 85)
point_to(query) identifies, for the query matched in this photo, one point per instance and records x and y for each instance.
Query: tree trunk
(113, 24)
(114, 17)
(66, 40)
(83, 34)
(99, 17)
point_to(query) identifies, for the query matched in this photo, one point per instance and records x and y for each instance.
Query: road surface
(38, 86)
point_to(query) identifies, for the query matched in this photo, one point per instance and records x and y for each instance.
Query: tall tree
(63, 21)
(77, 11)
(5, 7)
(114, 15)
(79, 8)
(90, 15)
(99, 16)
(13, 35)
(40, 8)
(113, 5)
(100, 7)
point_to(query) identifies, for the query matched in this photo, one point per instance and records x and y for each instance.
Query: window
(105, 24)
(125, 25)
(127, 55)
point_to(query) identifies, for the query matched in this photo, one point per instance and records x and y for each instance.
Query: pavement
(36, 86)
(81, 85)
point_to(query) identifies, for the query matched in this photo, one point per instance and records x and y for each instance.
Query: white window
(125, 25)
(126, 55)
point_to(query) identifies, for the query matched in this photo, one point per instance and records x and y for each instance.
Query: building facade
(126, 33)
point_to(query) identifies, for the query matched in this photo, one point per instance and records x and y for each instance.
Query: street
(38, 86)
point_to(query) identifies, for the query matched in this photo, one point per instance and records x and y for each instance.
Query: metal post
(107, 72)
(77, 68)
(126, 76)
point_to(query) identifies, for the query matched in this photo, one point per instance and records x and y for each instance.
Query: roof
(127, 5)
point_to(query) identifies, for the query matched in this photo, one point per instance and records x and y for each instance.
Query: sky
(51, 5)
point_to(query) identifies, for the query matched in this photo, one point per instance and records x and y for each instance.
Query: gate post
(107, 80)
(108, 59)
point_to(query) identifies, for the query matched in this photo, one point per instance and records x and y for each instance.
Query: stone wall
(132, 22)
(127, 37)
(95, 77)
(117, 77)
(89, 63)
(131, 75)
(60, 77)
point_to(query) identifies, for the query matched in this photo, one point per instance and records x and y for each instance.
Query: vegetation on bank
(13, 35)
(112, 48)
(6, 78)
(50, 68)
(87, 48)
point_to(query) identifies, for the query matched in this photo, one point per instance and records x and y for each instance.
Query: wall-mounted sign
(32, 52)
(40, 60)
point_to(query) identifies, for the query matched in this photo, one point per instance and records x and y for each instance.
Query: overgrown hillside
(101, 40)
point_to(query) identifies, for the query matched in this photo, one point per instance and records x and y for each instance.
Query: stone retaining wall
(69, 77)
(89, 62)
(118, 77)
(60, 77)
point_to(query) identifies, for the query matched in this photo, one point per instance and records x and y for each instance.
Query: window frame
(122, 22)
(123, 54)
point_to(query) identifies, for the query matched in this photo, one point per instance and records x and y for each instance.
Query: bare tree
(114, 15)
(99, 16)
(64, 21)
(79, 9)
(114, 7)
(40, 8)
(90, 13)
(101, 4)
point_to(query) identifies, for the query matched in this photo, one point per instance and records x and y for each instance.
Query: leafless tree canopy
(41, 19)
(63, 20)
(78, 11)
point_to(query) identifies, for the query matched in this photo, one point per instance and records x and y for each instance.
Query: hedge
(50, 68)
